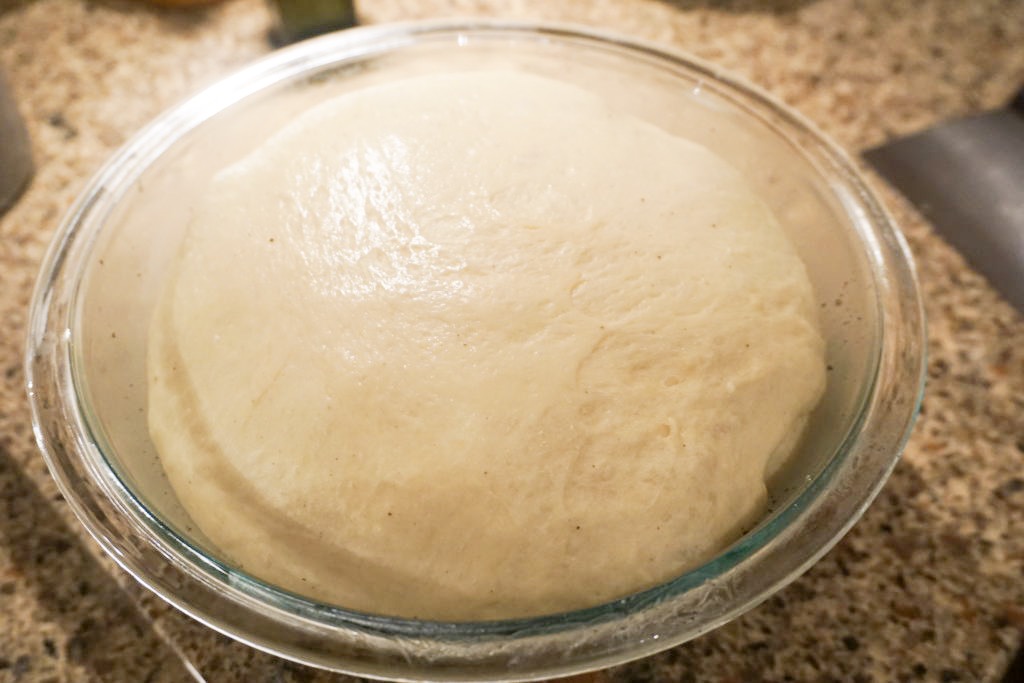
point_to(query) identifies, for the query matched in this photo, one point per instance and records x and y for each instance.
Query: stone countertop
(929, 585)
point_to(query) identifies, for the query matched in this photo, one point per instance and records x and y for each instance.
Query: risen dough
(475, 346)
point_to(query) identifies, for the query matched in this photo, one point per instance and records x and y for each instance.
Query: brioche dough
(475, 346)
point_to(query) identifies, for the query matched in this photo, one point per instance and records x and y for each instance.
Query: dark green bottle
(307, 18)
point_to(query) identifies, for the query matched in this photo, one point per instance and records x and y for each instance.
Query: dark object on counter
(15, 151)
(1015, 674)
(302, 19)
(967, 178)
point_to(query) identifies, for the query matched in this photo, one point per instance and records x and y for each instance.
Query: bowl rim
(264, 616)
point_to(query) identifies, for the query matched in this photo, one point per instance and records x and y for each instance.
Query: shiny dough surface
(473, 346)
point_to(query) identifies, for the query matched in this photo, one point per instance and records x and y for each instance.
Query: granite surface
(929, 585)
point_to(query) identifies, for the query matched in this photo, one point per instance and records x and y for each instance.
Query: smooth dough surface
(474, 346)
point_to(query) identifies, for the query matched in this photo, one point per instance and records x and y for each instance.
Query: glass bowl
(86, 351)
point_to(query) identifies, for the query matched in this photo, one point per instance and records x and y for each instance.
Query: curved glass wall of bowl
(87, 387)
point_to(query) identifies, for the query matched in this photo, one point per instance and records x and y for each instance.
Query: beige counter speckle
(930, 583)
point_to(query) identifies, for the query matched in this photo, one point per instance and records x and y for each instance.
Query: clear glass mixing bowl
(86, 350)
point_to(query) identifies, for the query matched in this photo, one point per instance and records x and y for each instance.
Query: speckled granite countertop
(928, 586)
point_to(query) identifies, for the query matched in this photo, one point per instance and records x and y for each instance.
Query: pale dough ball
(477, 346)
